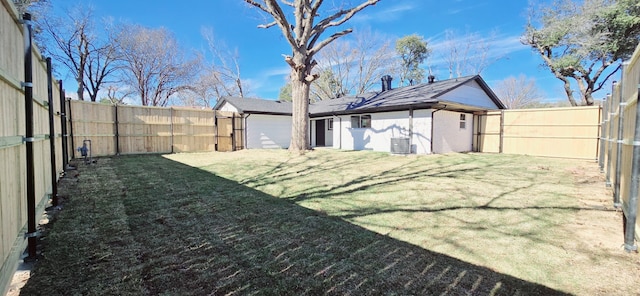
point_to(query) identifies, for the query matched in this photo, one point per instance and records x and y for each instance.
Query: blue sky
(260, 50)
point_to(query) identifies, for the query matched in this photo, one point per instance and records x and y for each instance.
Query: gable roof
(256, 106)
(424, 95)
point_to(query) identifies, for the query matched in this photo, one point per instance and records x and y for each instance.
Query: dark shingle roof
(256, 106)
(421, 95)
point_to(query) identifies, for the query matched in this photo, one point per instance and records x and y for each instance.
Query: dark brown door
(320, 133)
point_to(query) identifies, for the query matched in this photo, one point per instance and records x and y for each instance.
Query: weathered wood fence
(117, 129)
(30, 169)
(620, 137)
(550, 132)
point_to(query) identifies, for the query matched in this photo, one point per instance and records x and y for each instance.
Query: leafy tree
(285, 93)
(153, 64)
(518, 93)
(584, 41)
(413, 50)
(303, 28)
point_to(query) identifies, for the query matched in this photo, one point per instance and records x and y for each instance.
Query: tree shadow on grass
(148, 225)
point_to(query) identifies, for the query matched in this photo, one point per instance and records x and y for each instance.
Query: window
(330, 123)
(463, 121)
(361, 121)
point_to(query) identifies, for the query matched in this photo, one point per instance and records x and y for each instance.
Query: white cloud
(389, 14)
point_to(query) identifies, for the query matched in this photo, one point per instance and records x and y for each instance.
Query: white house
(434, 117)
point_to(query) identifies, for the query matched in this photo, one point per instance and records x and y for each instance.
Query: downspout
(244, 131)
(604, 111)
(433, 123)
(411, 129)
(63, 124)
(29, 139)
(52, 137)
(630, 216)
(339, 131)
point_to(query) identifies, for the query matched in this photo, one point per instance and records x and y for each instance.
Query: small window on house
(361, 121)
(330, 123)
(365, 121)
(463, 121)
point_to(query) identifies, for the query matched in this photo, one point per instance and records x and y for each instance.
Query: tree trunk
(300, 112)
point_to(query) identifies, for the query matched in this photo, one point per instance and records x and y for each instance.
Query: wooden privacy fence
(117, 129)
(550, 132)
(28, 140)
(620, 137)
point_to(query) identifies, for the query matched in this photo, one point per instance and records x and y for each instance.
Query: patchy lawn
(335, 222)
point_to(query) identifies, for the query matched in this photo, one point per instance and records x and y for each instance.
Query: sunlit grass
(335, 222)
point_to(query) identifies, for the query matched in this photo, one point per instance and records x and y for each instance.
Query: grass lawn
(334, 222)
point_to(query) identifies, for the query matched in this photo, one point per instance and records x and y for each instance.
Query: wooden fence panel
(13, 177)
(552, 132)
(94, 122)
(144, 129)
(487, 132)
(193, 130)
(629, 95)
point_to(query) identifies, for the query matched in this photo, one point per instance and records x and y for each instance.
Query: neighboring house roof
(256, 106)
(426, 95)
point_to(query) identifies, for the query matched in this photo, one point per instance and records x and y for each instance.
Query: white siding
(228, 107)
(384, 126)
(421, 141)
(268, 131)
(469, 94)
(447, 134)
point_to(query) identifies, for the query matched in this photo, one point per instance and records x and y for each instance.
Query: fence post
(29, 139)
(610, 138)
(73, 145)
(52, 137)
(117, 127)
(603, 128)
(171, 127)
(632, 206)
(501, 131)
(63, 127)
(616, 185)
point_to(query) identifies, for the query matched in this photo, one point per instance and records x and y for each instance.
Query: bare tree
(353, 66)
(73, 42)
(519, 93)
(153, 64)
(466, 55)
(303, 33)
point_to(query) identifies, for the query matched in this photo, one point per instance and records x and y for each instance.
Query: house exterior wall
(328, 133)
(268, 131)
(470, 94)
(384, 127)
(448, 136)
(228, 107)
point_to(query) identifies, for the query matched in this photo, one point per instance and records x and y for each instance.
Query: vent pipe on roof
(431, 79)
(386, 82)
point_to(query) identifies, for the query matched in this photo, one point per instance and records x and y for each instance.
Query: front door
(320, 133)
